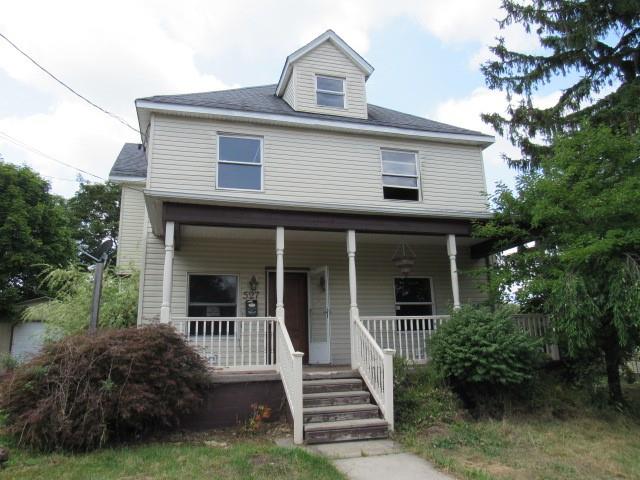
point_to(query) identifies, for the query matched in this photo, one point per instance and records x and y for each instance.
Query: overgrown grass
(165, 461)
(564, 437)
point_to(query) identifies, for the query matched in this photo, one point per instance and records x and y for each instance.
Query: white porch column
(167, 278)
(279, 272)
(452, 252)
(353, 293)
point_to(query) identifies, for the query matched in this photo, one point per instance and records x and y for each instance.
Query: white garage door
(27, 339)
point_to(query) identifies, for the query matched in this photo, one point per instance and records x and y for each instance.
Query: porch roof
(163, 207)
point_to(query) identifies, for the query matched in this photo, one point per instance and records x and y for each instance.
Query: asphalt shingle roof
(262, 99)
(131, 162)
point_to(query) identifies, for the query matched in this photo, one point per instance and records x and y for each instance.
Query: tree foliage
(581, 211)
(33, 231)
(69, 310)
(94, 213)
(594, 42)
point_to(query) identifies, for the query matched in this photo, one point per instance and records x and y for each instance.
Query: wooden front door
(295, 306)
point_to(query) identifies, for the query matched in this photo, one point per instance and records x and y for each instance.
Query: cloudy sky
(426, 55)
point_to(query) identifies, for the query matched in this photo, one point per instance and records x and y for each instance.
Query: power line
(113, 115)
(26, 146)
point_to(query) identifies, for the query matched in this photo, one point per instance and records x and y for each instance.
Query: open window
(400, 180)
(213, 296)
(239, 162)
(329, 91)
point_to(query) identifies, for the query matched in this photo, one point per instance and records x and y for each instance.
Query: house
(296, 233)
(22, 340)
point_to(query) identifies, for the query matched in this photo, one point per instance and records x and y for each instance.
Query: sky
(426, 54)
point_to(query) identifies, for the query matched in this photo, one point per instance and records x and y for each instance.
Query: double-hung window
(400, 180)
(414, 297)
(330, 91)
(213, 296)
(239, 162)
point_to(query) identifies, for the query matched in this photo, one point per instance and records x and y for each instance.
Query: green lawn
(590, 444)
(182, 460)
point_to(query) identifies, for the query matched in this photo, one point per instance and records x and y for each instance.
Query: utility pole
(98, 271)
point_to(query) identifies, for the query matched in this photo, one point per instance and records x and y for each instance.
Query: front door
(296, 308)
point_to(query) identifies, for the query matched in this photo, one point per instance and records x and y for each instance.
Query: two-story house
(293, 225)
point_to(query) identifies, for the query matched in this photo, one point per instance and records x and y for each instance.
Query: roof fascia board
(331, 36)
(126, 179)
(483, 140)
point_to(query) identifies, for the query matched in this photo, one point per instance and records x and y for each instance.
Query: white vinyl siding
(327, 60)
(246, 258)
(132, 228)
(303, 165)
(290, 93)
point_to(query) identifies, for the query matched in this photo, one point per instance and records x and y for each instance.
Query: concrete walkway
(377, 460)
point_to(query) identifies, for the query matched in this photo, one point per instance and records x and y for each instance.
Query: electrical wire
(26, 146)
(103, 110)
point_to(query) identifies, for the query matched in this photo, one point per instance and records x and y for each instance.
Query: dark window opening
(391, 193)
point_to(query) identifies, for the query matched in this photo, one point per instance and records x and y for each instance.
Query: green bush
(481, 353)
(85, 392)
(420, 398)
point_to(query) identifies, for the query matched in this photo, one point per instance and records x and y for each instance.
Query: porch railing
(376, 367)
(289, 363)
(408, 335)
(538, 325)
(239, 343)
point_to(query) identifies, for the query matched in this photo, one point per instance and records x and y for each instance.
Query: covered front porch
(310, 291)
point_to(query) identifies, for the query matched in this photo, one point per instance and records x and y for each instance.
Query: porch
(273, 291)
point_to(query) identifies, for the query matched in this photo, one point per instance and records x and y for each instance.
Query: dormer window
(330, 91)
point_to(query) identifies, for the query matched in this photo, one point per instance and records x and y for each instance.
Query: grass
(240, 459)
(594, 444)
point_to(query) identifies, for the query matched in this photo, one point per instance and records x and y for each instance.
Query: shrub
(482, 353)
(420, 398)
(85, 392)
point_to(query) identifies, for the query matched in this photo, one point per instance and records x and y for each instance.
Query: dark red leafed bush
(85, 392)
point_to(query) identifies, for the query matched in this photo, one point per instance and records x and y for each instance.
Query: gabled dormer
(326, 76)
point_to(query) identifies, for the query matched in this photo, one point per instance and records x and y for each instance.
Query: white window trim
(218, 162)
(417, 176)
(331, 92)
(433, 297)
(217, 274)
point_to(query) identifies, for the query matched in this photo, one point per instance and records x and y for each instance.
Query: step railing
(289, 364)
(407, 335)
(233, 343)
(375, 366)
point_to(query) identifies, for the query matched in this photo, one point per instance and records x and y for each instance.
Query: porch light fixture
(404, 258)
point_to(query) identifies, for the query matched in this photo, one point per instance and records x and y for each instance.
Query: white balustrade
(240, 343)
(290, 367)
(538, 325)
(375, 366)
(408, 335)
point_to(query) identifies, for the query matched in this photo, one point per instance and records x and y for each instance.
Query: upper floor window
(239, 162)
(330, 91)
(400, 175)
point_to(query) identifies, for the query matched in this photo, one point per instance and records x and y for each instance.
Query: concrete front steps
(337, 408)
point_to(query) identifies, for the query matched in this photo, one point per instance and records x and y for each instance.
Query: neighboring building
(22, 340)
(250, 209)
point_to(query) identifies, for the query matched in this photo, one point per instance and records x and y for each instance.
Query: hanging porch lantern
(404, 259)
